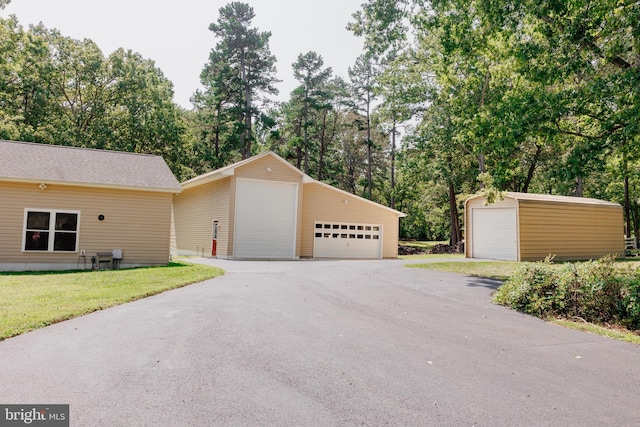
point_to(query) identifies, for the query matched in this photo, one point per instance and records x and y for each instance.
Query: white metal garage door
(265, 222)
(494, 233)
(346, 240)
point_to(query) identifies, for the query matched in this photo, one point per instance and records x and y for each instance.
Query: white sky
(175, 33)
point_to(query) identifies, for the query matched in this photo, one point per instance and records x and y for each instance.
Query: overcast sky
(175, 33)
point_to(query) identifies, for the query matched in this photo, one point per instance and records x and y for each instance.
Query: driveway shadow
(484, 282)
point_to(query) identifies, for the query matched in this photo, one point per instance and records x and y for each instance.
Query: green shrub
(531, 290)
(595, 291)
(631, 300)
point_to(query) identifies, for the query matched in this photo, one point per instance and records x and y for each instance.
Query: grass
(501, 270)
(613, 332)
(31, 300)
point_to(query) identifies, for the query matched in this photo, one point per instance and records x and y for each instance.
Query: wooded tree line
(515, 95)
(57, 90)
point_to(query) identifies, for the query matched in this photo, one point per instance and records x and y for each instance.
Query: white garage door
(494, 233)
(346, 240)
(265, 223)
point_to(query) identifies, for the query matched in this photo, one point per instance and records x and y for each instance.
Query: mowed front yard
(32, 300)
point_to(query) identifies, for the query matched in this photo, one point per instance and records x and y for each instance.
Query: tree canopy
(541, 97)
(448, 97)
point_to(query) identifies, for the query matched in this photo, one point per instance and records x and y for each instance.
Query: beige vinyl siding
(138, 222)
(322, 203)
(231, 200)
(570, 231)
(259, 169)
(194, 211)
(270, 169)
(173, 246)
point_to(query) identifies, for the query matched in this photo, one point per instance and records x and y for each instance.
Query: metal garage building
(265, 208)
(529, 227)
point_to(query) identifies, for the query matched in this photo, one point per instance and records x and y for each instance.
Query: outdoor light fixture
(346, 202)
(269, 170)
(42, 186)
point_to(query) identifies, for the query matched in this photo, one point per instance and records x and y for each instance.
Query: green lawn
(493, 269)
(31, 300)
(619, 334)
(501, 270)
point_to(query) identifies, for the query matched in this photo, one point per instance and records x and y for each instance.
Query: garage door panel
(494, 233)
(346, 240)
(266, 214)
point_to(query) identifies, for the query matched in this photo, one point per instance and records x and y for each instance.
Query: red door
(214, 242)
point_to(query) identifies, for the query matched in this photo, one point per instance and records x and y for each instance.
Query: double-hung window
(49, 230)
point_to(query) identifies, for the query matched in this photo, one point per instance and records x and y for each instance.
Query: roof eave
(208, 178)
(518, 197)
(172, 190)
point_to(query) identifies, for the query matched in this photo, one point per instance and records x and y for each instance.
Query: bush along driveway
(599, 292)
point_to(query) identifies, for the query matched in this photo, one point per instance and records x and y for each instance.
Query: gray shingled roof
(42, 163)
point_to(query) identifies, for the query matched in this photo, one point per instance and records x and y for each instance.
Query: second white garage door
(347, 240)
(494, 233)
(265, 222)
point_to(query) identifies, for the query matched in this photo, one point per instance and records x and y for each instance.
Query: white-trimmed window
(47, 230)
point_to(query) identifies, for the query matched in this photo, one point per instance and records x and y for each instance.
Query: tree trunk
(369, 175)
(393, 166)
(578, 191)
(322, 147)
(481, 161)
(532, 168)
(216, 145)
(243, 135)
(453, 217)
(247, 122)
(636, 221)
(299, 158)
(627, 206)
(481, 167)
(306, 132)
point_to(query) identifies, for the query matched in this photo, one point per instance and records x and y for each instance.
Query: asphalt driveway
(323, 343)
